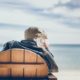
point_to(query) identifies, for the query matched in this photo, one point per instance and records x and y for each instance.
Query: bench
(22, 63)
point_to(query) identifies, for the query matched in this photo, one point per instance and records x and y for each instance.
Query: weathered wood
(21, 78)
(22, 63)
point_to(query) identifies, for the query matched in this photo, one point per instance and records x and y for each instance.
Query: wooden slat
(40, 59)
(17, 72)
(30, 57)
(30, 71)
(20, 62)
(5, 56)
(42, 71)
(35, 70)
(4, 72)
(17, 55)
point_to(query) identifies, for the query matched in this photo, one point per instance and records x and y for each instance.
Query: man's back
(24, 44)
(32, 45)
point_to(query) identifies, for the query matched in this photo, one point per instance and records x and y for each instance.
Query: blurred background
(59, 18)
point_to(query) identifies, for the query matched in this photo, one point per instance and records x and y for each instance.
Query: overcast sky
(59, 18)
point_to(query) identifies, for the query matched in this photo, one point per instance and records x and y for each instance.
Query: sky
(59, 18)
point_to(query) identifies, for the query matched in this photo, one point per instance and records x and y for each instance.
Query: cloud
(38, 4)
(72, 4)
(67, 13)
(10, 34)
(12, 26)
(25, 3)
(68, 9)
(58, 7)
(16, 16)
(43, 4)
(54, 16)
(73, 23)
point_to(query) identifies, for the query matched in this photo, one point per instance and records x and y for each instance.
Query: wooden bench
(22, 63)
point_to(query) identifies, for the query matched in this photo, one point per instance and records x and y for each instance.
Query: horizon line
(59, 44)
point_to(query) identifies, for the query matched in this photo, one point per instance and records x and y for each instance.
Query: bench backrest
(22, 63)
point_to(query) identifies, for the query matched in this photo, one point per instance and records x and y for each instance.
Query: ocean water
(67, 58)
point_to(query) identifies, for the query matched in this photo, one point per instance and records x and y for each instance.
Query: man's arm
(50, 58)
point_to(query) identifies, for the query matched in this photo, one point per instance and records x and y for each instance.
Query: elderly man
(35, 41)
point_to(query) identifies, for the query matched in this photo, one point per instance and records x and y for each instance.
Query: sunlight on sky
(59, 18)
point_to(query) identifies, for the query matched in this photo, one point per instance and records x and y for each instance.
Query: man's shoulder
(11, 42)
(9, 45)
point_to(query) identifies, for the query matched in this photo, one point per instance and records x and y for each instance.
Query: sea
(67, 57)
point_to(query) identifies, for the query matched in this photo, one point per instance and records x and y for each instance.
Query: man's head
(33, 33)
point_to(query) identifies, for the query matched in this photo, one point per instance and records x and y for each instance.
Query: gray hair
(33, 33)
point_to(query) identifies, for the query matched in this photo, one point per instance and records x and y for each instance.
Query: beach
(68, 75)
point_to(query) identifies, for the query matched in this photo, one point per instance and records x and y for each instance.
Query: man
(35, 40)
